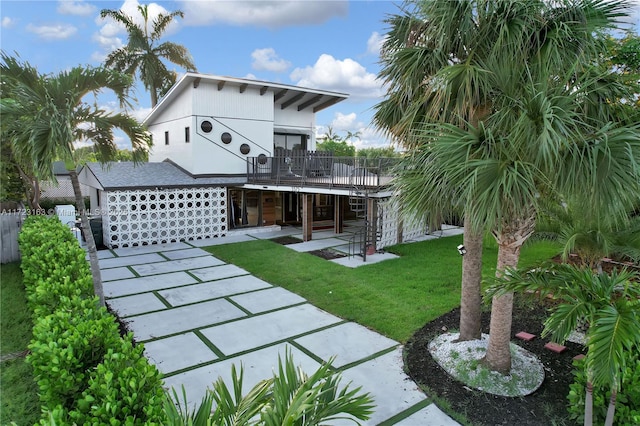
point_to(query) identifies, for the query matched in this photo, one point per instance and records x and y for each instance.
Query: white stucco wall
(174, 120)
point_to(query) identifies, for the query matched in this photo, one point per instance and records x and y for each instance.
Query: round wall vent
(226, 138)
(262, 159)
(244, 148)
(206, 126)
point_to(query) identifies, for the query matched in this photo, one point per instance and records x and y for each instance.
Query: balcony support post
(338, 218)
(307, 217)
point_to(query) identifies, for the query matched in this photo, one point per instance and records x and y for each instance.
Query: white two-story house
(231, 153)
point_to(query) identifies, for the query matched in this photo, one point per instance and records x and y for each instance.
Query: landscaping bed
(544, 407)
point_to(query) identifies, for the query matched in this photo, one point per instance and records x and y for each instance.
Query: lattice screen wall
(387, 224)
(388, 217)
(142, 217)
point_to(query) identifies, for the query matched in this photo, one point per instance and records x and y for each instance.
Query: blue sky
(329, 45)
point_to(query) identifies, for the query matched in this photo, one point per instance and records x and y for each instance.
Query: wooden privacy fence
(10, 224)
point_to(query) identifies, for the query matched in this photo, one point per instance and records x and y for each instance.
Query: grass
(395, 297)
(18, 390)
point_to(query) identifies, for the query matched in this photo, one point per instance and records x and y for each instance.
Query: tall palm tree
(144, 51)
(500, 101)
(610, 304)
(45, 115)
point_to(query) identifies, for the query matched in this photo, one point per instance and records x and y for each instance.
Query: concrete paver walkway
(197, 316)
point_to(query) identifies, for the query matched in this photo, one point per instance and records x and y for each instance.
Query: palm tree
(610, 304)
(143, 53)
(290, 397)
(590, 236)
(500, 102)
(45, 115)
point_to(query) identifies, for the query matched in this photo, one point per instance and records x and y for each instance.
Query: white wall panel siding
(213, 156)
(229, 102)
(292, 118)
(140, 217)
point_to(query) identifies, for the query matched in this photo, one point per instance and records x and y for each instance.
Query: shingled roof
(128, 175)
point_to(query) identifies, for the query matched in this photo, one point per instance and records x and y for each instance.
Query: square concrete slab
(229, 239)
(266, 300)
(116, 273)
(145, 284)
(258, 365)
(357, 261)
(178, 352)
(186, 253)
(218, 272)
(136, 304)
(348, 342)
(430, 415)
(177, 265)
(185, 318)
(383, 377)
(152, 248)
(213, 290)
(253, 332)
(141, 259)
(315, 244)
(102, 254)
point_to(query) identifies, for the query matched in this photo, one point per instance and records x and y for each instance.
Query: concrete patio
(197, 316)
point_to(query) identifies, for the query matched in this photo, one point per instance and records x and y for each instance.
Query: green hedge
(86, 371)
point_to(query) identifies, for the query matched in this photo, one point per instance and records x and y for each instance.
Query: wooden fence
(10, 224)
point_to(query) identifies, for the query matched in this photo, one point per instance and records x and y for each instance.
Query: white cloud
(75, 7)
(349, 122)
(53, 31)
(374, 44)
(268, 60)
(8, 22)
(264, 13)
(345, 122)
(346, 76)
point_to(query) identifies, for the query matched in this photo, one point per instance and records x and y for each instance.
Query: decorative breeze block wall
(388, 217)
(387, 224)
(157, 216)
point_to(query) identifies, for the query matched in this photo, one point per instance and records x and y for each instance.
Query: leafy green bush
(627, 401)
(86, 373)
(67, 345)
(124, 389)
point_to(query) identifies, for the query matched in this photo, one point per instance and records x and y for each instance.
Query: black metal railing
(321, 169)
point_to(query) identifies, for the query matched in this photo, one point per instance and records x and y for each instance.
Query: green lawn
(394, 297)
(18, 391)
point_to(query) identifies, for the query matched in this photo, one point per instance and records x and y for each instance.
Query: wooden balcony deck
(320, 169)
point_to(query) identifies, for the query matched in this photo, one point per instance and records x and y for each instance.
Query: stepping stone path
(198, 316)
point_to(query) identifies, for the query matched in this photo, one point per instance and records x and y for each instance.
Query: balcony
(320, 169)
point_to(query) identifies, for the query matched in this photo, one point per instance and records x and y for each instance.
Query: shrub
(87, 373)
(67, 345)
(124, 389)
(627, 401)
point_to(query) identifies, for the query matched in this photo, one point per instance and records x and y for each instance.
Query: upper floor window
(166, 138)
(187, 134)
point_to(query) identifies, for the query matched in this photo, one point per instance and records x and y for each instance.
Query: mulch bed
(543, 407)
(286, 240)
(327, 254)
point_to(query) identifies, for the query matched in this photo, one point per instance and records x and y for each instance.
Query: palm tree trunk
(470, 298)
(88, 236)
(498, 357)
(611, 411)
(510, 238)
(588, 405)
